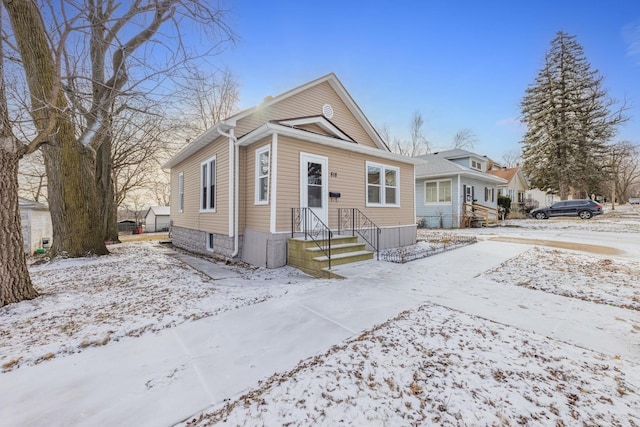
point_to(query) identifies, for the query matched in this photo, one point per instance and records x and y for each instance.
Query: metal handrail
(360, 224)
(304, 220)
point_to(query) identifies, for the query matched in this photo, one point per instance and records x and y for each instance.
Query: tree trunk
(73, 200)
(104, 184)
(15, 283)
(70, 165)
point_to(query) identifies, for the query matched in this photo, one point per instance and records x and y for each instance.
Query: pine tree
(569, 122)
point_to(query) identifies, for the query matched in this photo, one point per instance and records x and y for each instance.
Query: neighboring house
(157, 218)
(37, 230)
(516, 185)
(452, 186)
(542, 197)
(238, 190)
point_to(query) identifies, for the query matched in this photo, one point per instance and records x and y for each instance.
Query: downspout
(234, 164)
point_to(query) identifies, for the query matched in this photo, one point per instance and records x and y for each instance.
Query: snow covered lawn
(602, 280)
(437, 366)
(135, 290)
(427, 366)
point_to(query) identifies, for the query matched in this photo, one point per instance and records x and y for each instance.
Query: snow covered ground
(137, 289)
(427, 365)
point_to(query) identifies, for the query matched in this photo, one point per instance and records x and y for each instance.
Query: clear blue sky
(462, 64)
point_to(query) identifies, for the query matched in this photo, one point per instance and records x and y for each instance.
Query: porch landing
(318, 257)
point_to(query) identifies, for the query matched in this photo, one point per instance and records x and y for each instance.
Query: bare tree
(209, 99)
(417, 144)
(15, 282)
(511, 158)
(625, 162)
(32, 177)
(114, 65)
(465, 139)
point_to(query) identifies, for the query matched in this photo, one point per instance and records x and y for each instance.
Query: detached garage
(36, 225)
(157, 219)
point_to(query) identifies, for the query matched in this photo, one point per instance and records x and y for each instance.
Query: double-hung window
(383, 185)
(262, 175)
(208, 185)
(437, 191)
(180, 191)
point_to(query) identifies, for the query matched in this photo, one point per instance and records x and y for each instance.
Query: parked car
(585, 209)
(634, 201)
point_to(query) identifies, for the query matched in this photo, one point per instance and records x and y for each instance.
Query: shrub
(504, 202)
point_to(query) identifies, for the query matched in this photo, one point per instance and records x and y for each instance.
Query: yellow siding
(213, 222)
(350, 182)
(308, 103)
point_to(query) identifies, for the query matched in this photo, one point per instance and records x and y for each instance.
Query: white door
(313, 185)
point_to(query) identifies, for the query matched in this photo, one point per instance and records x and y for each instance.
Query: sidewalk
(212, 359)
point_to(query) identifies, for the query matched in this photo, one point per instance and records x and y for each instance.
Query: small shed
(157, 219)
(37, 230)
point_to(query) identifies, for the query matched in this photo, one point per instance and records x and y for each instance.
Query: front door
(313, 185)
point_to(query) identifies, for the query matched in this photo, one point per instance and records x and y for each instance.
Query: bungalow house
(516, 185)
(453, 189)
(304, 164)
(157, 218)
(36, 225)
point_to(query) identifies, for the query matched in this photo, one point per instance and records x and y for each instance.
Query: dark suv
(585, 209)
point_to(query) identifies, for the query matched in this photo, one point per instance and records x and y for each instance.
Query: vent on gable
(327, 111)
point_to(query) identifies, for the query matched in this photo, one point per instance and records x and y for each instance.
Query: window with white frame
(437, 191)
(262, 175)
(180, 191)
(208, 185)
(383, 185)
(210, 241)
(476, 165)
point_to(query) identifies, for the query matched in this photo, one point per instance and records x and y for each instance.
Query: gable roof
(159, 210)
(222, 127)
(433, 166)
(509, 173)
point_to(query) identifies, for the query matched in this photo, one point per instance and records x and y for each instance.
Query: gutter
(233, 174)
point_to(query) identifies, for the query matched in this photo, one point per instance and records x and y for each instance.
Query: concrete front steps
(308, 257)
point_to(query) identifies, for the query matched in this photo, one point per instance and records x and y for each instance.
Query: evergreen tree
(569, 122)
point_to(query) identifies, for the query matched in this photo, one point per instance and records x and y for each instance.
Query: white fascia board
(269, 128)
(197, 144)
(467, 173)
(321, 122)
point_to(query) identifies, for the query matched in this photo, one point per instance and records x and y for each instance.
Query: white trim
(274, 181)
(383, 194)
(329, 141)
(208, 162)
(256, 177)
(181, 192)
(325, 184)
(323, 123)
(438, 202)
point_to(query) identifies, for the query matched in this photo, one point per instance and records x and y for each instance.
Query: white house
(157, 219)
(37, 230)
